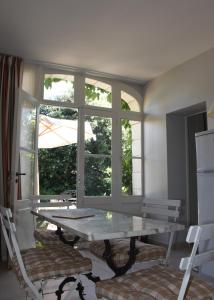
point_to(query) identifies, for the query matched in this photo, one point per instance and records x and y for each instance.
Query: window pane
(131, 157)
(27, 160)
(137, 176)
(129, 103)
(98, 93)
(132, 176)
(97, 176)
(59, 87)
(98, 131)
(131, 138)
(57, 149)
(28, 125)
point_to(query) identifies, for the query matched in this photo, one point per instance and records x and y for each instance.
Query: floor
(10, 290)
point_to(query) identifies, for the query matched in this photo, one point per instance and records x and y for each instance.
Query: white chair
(35, 266)
(158, 209)
(165, 209)
(162, 282)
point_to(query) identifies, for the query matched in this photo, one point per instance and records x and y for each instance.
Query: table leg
(109, 257)
(60, 233)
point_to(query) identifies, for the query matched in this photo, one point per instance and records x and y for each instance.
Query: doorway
(195, 123)
(181, 158)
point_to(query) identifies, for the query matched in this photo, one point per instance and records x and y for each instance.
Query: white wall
(185, 85)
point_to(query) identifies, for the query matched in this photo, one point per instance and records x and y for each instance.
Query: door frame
(175, 188)
(188, 162)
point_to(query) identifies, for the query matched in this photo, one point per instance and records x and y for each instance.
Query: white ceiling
(138, 39)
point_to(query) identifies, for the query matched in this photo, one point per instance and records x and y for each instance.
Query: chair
(146, 252)
(35, 266)
(52, 237)
(162, 282)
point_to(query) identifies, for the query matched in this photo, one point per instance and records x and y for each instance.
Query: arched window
(98, 93)
(89, 138)
(129, 103)
(131, 145)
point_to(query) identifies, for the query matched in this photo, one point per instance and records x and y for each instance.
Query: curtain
(10, 82)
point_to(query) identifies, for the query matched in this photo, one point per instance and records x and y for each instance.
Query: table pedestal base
(108, 256)
(60, 233)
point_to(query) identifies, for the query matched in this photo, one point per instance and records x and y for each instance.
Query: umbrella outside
(59, 132)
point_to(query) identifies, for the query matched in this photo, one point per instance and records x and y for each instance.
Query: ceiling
(136, 39)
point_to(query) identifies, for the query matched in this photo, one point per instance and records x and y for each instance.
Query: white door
(25, 168)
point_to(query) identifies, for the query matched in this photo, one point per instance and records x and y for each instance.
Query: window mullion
(79, 91)
(116, 145)
(80, 158)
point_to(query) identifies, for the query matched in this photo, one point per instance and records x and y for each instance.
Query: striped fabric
(120, 249)
(49, 237)
(160, 283)
(10, 82)
(45, 263)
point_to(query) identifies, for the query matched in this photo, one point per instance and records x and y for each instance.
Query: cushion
(158, 282)
(120, 248)
(48, 262)
(49, 237)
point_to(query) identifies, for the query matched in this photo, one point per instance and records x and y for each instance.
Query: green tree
(98, 170)
(57, 166)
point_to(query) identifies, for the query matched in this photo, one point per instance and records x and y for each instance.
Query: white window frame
(116, 114)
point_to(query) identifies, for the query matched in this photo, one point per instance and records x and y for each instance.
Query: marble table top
(96, 224)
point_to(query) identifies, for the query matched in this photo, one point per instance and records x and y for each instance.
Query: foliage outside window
(58, 166)
(59, 87)
(98, 158)
(97, 93)
(131, 157)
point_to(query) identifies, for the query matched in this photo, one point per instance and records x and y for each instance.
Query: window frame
(116, 113)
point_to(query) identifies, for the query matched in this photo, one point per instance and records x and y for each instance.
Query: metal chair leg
(60, 291)
(80, 289)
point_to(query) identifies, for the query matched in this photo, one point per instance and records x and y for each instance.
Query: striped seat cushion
(158, 282)
(48, 262)
(49, 237)
(120, 248)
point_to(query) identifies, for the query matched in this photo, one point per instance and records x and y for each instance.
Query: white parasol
(59, 132)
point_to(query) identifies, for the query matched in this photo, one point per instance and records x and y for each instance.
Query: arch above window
(98, 93)
(128, 102)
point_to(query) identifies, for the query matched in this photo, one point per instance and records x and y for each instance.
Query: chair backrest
(42, 201)
(196, 235)
(9, 233)
(7, 227)
(159, 208)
